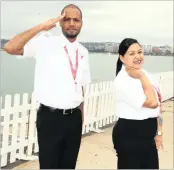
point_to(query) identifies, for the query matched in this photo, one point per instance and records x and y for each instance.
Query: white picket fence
(18, 131)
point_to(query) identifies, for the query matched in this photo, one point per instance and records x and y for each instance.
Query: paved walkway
(97, 150)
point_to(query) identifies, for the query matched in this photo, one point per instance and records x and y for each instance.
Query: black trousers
(134, 144)
(59, 138)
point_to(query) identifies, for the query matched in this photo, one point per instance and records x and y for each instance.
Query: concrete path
(97, 151)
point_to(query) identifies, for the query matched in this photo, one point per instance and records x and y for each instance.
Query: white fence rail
(18, 131)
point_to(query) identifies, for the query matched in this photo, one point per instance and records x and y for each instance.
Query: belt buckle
(64, 112)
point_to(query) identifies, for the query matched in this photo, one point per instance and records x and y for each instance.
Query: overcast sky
(151, 22)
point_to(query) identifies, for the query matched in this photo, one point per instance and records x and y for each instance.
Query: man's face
(71, 24)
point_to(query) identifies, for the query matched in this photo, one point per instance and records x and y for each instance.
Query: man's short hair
(71, 6)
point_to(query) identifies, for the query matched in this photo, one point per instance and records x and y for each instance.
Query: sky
(150, 22)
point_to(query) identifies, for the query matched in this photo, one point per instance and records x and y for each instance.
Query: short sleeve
(133, 96)
(32, 47)
(86, 75)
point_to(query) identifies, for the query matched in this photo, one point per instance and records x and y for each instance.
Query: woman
(138, 132)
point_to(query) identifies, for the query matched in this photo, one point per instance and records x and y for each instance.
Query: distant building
(168, 50)
(156, 51)
(3, 41)
(99, 47)
(94, 46)
(165, 50)
(116, 47)
(147, 49)
(111, 47)
(171, 49)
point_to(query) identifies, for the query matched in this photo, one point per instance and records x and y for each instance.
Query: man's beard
(71, 35)
(67, 35)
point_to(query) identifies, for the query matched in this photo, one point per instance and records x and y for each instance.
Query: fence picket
(15, 128)
(23, 133)
(86, 101)
(31, 125)
(5, 132)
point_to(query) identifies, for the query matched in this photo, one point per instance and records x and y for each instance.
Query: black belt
(62, 111)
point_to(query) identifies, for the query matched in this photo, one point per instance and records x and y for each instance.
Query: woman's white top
(130, 97)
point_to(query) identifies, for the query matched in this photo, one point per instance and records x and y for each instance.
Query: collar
(123, 67)
(123, 70)
(68, 43)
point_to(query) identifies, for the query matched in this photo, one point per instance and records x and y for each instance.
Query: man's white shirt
(54, 85)
(130, 97)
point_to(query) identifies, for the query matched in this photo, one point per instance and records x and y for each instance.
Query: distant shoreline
(172, 55)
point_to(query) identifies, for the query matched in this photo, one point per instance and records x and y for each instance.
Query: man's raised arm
(15, 46)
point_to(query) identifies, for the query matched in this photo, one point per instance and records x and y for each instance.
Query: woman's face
(134, 56)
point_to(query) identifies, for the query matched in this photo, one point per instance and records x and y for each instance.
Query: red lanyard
(73, 70)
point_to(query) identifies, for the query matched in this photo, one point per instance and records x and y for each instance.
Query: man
(61, 72)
